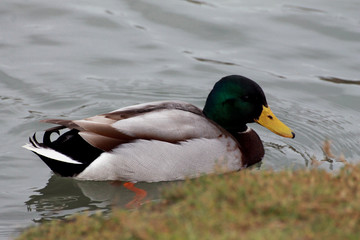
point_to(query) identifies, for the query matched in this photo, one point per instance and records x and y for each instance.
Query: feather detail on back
(163, 121)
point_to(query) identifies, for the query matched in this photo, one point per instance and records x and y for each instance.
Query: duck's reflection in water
(62, 197)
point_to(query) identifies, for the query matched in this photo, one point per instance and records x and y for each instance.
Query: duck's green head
(235, 101)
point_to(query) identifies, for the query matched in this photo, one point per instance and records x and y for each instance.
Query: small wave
(339, 80)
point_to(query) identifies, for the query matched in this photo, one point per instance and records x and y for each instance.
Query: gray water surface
(76, 59)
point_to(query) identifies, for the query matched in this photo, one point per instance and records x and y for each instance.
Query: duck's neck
(251, 147)
(224, 122)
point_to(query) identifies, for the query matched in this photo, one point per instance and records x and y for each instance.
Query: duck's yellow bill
(271, 122)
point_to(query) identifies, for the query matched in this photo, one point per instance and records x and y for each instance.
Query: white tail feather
(50, 153)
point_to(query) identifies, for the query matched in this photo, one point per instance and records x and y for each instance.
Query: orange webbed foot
(140, 194)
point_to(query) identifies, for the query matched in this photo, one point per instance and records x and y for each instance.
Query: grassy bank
(304, 204)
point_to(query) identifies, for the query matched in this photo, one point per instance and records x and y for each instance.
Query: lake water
(76, 59)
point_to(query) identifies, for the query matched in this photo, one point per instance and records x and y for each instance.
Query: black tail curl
(71, 144)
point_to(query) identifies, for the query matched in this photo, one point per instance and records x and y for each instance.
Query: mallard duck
(166, 140)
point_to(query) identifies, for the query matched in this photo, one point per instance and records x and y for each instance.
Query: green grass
(304, 204)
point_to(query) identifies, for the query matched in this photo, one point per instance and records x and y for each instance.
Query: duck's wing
(171, 122)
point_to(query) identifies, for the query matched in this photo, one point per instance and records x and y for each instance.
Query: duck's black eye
(245, 98)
